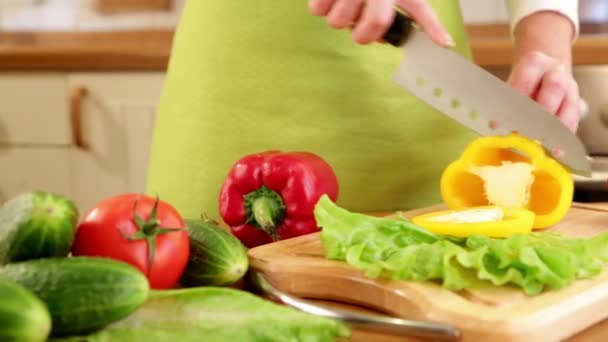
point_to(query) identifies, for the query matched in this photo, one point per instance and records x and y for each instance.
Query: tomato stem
(148, 230)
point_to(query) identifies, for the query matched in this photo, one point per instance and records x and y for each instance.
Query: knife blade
(477, 99)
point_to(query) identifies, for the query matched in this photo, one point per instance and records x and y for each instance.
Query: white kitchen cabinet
(35, 134)
(34, 109)
(117, 119)
(37, 139)
(40, 168)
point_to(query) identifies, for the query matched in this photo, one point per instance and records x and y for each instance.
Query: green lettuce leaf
(398, 249)
(216, 314)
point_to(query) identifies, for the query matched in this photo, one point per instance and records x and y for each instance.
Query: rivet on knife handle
(399, 31)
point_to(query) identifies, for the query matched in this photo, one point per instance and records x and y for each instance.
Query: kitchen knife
(477, 99)
(435, 331)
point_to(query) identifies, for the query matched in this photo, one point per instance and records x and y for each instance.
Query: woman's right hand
(370, 19)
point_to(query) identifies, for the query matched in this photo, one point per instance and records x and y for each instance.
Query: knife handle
(400, 29)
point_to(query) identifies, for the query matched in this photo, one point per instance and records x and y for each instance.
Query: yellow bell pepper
(491, 221)
(510, 172)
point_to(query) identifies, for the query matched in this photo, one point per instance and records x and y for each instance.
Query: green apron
(249, 76)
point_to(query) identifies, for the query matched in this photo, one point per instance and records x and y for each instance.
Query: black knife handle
(400, 29)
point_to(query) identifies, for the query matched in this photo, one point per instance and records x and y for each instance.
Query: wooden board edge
(535, 326)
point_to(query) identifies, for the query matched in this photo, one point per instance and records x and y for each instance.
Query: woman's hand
(542, 68)
(370, 19)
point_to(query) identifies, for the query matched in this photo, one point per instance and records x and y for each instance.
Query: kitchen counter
(492, 45)
(150, 49)
(115, 50)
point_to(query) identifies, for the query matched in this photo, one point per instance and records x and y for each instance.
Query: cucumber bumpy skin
(217, 258)
(36, 225)
(23, 316)
(81, 293)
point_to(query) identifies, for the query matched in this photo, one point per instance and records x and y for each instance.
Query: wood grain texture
(107, 51)
(298, 267)
(498, 51)
(492, 46)
(151, 49)
(129, 6)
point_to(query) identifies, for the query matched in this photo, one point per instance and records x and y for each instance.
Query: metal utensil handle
(400, 29)
(384, 324)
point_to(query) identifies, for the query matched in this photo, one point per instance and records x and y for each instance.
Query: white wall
(483, 11)
(77, 15)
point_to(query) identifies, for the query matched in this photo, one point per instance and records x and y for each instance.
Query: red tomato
(111, 230)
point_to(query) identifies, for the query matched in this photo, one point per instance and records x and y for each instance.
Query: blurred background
(80, 81)
(82, 15)
(16, 15)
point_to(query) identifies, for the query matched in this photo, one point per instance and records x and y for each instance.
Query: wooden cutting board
(298, 267)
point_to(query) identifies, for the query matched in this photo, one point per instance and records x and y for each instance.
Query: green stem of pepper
(265, 210)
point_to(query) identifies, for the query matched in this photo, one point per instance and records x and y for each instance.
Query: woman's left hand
(550, 83)
(542, 68)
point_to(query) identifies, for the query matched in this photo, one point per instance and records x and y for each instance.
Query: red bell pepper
(271, 196)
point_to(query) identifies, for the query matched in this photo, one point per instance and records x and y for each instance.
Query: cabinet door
(34, 109)
(34, 168)
(117, 117)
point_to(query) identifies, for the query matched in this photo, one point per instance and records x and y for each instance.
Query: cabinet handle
(76, 109)
(603, 114)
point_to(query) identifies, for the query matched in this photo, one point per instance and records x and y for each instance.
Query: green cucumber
(23, 316)
(36, 225)
(81, 293)
(217, 258)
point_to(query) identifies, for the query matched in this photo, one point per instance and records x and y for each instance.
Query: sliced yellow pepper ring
(549, 191)
(490, 221)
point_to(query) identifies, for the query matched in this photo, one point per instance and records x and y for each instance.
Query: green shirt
(250, 76)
